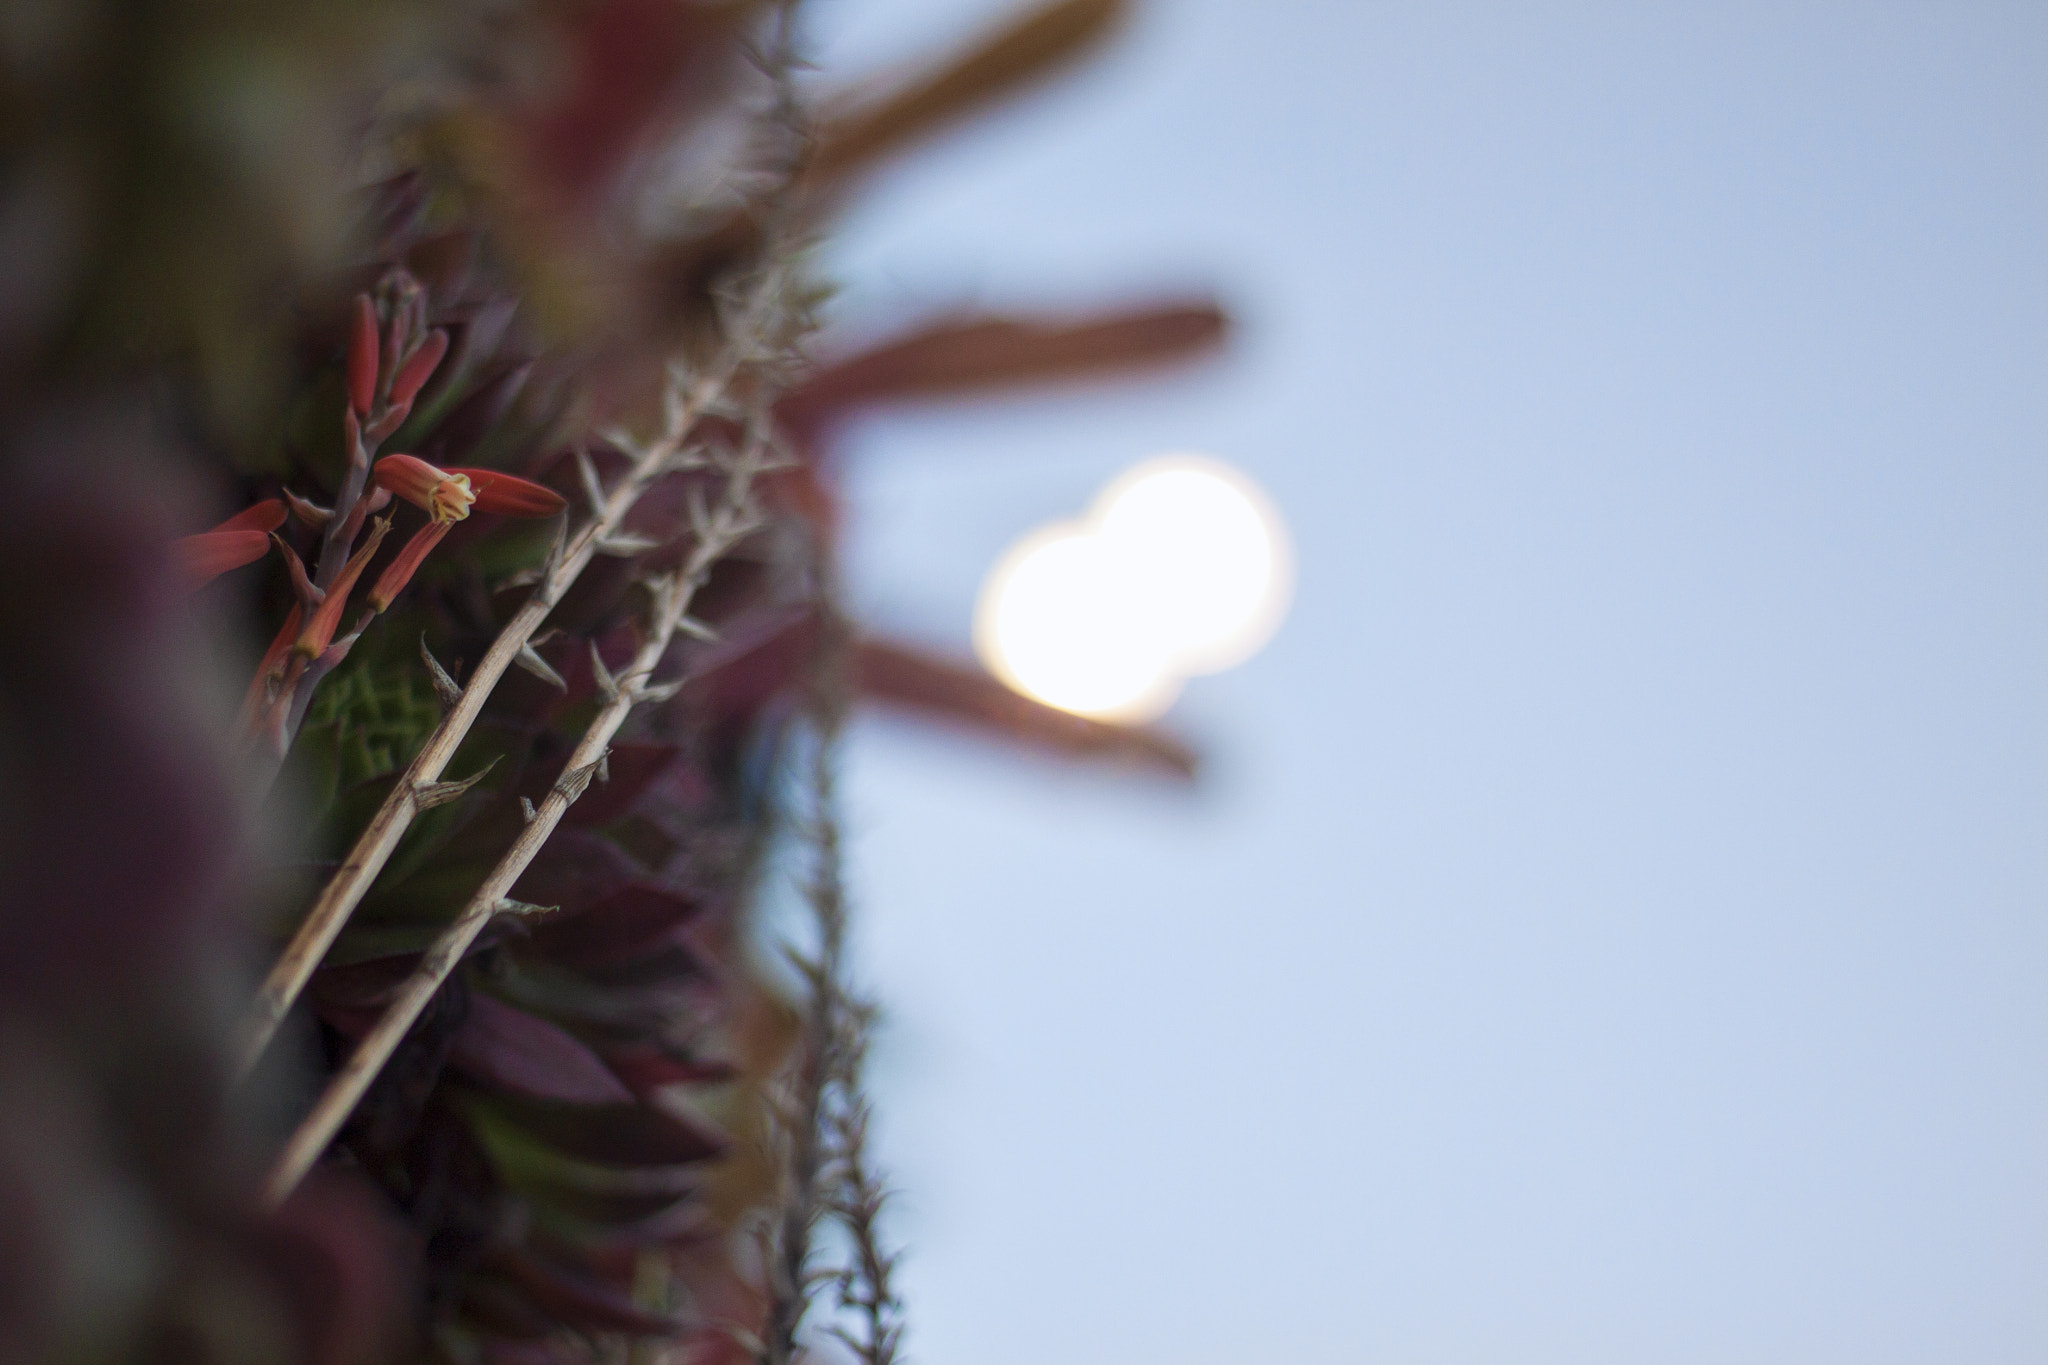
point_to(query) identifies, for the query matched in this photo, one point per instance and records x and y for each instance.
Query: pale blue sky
(1615, 928)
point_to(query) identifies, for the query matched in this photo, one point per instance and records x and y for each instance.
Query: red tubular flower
(445, 496)
(418, 368)
(241, 539)
(506, 495)
(320, 629)
(400, 570)
(265, 516)
(449, 494)
(362, 356)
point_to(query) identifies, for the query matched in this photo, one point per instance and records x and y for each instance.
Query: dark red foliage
(630, 922)
(517, 1053)
(630, 1134)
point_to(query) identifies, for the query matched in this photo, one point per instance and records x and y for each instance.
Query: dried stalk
(801, 1114)
(351, 881)
(715, 532)
(820, 1114)
(867, 1285)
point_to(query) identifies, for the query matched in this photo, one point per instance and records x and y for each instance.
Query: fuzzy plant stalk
(819, 1112)
(800, 1112)
(866, 1284)
(715, 531)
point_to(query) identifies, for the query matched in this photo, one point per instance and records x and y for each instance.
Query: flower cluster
(384, 375)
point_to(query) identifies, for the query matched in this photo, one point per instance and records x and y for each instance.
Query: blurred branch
(1027, 50)
(901, 675)
(982, 353)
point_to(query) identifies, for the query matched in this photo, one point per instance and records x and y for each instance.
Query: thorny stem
(866, 1286)
(733, 519)
(820, 1116)
(802, 1112)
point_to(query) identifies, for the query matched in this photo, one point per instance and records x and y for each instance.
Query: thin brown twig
(866, 1285)
(819, 1113)
(800, 1113)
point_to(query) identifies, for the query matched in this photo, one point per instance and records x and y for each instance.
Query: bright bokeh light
(1058, 622)
(1180, 568)
(1207, 554)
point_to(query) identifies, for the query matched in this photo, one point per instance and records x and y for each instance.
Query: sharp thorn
(445, 686)
(593, 488)
(428, 795)
(622, 545)
(574, 782)
(539, 667)
(508, 906)
(607, 686)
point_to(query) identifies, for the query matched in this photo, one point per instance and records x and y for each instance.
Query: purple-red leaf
(647, 1068)
(575, 870)
(610, 1134)
(519, 1053)
(576, 1298)
(632, 920)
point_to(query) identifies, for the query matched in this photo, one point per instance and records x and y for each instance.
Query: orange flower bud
(241, 539)
(320, 629)
(265, 516)
(205, 557)
(400, 570)
(418, 368)
(280, 645)
(444, 494)
(507, 495)
(362, 355)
